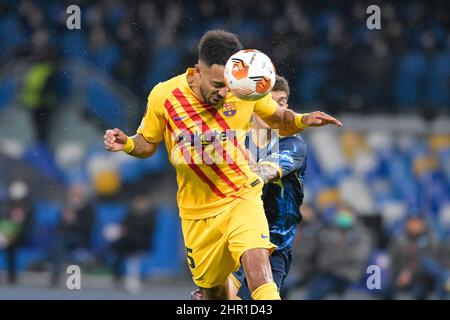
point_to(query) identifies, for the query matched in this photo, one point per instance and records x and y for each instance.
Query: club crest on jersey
(229, 109)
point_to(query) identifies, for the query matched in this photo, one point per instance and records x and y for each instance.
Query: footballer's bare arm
(289, 122)
(116, 140)
(265, 171)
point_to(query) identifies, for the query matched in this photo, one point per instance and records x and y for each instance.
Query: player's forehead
(215, 73)
(279, 94)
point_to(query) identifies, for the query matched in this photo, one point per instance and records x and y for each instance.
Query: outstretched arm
(289, 122)
(137, 146)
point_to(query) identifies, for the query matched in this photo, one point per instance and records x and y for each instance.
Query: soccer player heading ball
(219, 197)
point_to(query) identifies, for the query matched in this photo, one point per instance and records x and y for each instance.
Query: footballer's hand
(114, 139)
(318, 119)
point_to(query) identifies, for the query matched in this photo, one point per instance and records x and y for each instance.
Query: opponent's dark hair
(281, 84)
(216, 46)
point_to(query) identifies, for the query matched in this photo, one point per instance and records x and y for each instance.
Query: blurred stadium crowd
(377, 191)
(325, 49)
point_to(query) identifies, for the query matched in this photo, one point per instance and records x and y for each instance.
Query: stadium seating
(107, 215)
(166, 256)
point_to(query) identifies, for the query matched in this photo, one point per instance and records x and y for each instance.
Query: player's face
(212, 84)
(415, 227)
(280, 98)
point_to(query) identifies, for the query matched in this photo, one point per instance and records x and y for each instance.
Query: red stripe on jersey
(224, 125)
(196, 117)
(187, 156)
(189, 109)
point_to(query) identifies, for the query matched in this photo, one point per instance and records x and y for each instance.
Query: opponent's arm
(265, 171)
(137, 146)
(290, 157)
(290, 123)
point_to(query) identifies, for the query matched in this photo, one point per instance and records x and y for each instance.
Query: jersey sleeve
(265, 107)
(290, 156)
(153, 123)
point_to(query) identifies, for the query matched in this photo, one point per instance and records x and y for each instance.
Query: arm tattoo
(266, 172)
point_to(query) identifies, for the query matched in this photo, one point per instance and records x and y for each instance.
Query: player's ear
(197, 68)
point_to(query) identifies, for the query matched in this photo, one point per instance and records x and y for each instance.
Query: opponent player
(219, 198)
(281, 163)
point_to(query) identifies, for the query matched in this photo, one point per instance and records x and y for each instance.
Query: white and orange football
(250, 74)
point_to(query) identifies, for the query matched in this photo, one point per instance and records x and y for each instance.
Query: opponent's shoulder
(294, 143)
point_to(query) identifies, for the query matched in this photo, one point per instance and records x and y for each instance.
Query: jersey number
(190, 260)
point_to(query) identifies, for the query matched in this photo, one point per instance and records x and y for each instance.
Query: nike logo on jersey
(263, 236)
(179, 118)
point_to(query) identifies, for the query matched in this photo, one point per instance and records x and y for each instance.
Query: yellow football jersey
(206, 144)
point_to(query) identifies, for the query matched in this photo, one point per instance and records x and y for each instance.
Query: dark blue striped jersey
(282, 198)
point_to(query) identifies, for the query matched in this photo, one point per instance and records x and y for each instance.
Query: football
(249, 74)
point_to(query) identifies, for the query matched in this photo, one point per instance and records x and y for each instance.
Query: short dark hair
(281, 84)
(216, 46)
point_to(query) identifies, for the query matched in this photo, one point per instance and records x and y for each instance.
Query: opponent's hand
(318, 119)
(114, 139)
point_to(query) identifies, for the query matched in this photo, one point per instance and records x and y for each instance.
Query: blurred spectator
(415, 268)
(444, 253)
(72, 240)
(342, 251)
(444, 237)
(305, 251)
(39, 93)
(15, 225)
(135, 235)
(444, 260)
